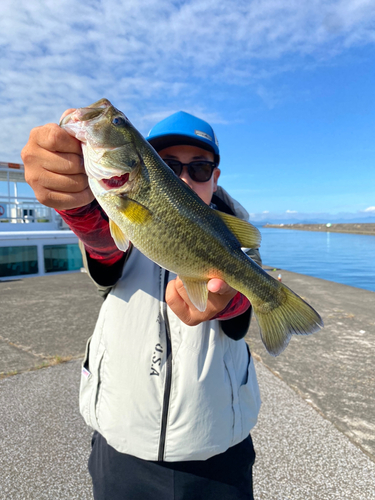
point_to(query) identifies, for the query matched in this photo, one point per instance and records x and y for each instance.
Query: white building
(34, 240)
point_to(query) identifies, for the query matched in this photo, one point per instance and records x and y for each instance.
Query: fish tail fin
(289, 314)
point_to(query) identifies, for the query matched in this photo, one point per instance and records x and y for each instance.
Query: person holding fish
(168, 382)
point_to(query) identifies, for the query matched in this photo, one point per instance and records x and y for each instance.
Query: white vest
(158, 389)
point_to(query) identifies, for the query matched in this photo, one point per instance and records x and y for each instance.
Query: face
(187, 154)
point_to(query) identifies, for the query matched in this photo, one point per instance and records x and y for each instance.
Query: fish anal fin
(247, 234)
(197, 292)
(118, 236)
(135, 212)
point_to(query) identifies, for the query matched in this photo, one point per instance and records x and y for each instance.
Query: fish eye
(118, 121)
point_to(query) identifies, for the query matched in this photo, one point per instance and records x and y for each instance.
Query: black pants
(117, 476)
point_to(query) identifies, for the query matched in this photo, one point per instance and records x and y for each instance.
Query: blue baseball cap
(183, 128)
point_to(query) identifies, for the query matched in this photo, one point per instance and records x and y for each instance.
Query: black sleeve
(104, 277)
(236, 328)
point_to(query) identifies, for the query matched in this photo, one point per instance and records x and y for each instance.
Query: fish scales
(190, 239)
(151, 207)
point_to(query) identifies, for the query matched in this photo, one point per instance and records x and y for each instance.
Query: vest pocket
(249, 397)
(90, 384)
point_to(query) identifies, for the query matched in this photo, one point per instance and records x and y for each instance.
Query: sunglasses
(199, 171)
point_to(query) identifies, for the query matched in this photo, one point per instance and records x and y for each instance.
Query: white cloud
(152, 57)
(291, 212)
(370, 209)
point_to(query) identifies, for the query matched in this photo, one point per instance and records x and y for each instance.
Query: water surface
(343, 258)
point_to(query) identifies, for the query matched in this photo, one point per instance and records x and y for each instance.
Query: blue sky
(288, 86)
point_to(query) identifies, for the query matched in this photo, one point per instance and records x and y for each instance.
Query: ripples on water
(343, 258)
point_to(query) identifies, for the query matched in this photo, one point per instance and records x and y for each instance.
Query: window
(16, 261)
(58, 258)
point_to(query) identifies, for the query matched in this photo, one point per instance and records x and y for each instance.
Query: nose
(186, 177)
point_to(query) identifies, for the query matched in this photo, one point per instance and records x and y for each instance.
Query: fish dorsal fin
(247, 234)
(135, 212)
(197, 292)
(118, 235)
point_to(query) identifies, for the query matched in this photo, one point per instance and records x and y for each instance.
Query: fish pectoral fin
(197, 292)
(135, 212)
(247, 234)
(118, 236)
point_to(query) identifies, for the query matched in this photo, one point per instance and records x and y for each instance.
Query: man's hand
(219, 296)
(54, 168)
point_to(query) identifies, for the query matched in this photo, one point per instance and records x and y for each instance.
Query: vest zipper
(168, 376)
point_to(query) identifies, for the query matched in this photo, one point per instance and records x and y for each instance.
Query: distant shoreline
(355, 228)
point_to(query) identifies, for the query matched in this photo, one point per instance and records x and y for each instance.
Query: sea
(339, 257)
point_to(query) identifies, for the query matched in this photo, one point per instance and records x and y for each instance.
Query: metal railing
(21, 209)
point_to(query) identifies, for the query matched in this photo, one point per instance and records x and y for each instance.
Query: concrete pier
(315, 435)
(351, 228)
(333, 369)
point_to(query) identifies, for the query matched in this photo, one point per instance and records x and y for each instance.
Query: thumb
(218, 286)
(67, 112)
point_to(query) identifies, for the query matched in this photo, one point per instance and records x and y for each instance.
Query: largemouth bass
(149, 206)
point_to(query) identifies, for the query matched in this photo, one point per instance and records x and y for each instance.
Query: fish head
(111, 159)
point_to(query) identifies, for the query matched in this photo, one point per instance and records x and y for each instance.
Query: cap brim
(159, 143)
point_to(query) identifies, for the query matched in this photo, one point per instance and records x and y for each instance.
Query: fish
(149, 206)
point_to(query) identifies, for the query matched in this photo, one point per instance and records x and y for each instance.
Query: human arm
(101, 257)
(54, 169)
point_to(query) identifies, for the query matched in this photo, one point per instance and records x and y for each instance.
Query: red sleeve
(237, 306)
(90, 224)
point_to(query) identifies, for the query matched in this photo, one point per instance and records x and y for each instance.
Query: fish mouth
(90, 112)
(75, 123)
(87, 113)
(115, 182)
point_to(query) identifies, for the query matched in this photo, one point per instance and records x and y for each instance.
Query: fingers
(66, 183)
(67, 112)
(52, 148)
(178, 300)
(64, 201)
(218, 286)
(53, 138)
(59, 163)
(54, 168)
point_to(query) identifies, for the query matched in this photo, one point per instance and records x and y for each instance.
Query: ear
(215, 175)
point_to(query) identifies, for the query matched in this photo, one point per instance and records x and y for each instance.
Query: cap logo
(203, 134)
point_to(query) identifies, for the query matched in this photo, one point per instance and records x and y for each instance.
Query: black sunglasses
(199, 171)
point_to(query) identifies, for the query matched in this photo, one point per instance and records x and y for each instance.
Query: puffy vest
(158, 389)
